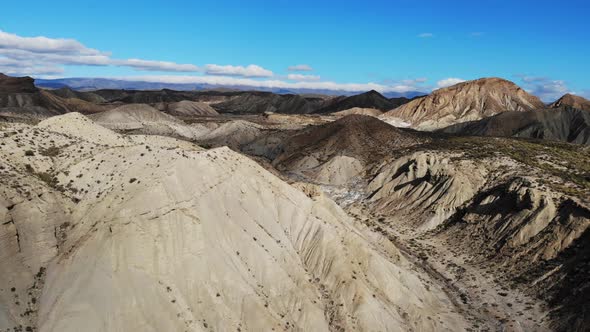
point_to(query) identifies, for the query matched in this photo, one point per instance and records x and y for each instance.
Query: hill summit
(467, 101)
(573, 101)
(370, 99)
(10, 84)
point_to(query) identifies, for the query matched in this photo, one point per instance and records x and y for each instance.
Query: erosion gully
(478, 296)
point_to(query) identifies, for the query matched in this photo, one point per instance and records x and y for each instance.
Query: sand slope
(135, 236)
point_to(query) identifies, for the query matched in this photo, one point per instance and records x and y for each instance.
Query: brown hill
(370, 99)
(19, 98)
(259, 102)
(359, 136)
(572, 101)
(467, 101)
(10, 84)
(340, 151)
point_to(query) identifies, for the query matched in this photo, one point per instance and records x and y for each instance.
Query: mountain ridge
(466, 101)
(573, 101)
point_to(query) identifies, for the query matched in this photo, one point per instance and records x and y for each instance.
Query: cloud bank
(300, 68)
(449, 82)
(269, 83)
(40, 55)
(48, 57)
(305, 78)
(545, 88)
(248, 71)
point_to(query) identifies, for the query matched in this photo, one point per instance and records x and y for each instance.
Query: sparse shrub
(29, 153)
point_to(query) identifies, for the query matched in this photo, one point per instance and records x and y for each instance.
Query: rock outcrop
(515, 213)
(425, 188)
(533, 238)
(10, 84)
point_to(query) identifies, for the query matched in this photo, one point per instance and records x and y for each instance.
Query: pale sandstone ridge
(78, 126)
(467, 101)
(132, 116)
(104, 232)
(232, 134)
(359, 111)
(187, 108)
(571, 100)
(426, 187)
(144, 119)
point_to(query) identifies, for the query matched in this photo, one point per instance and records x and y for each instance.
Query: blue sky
(390, 45)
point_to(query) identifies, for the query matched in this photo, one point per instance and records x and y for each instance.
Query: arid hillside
(163, 210)
(468, 101)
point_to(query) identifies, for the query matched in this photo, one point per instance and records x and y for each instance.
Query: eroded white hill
(103, 232)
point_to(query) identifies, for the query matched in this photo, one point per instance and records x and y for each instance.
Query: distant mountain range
(483, 107)
(87, 84)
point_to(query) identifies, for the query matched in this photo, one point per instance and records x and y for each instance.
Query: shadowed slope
(564, 124)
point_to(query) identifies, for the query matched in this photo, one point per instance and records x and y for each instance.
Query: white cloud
(42, 55)
(235, 81)
(44, 44)
(56, 58)
(300, 77)
(248, 71)
(545, 88)
(26, 70)
(414, 84)
(300, 68)
(47, 57)
(157, 65)
(426, 35)
(22, 68)
(449, 82)
(415, 81)
(39, 55)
